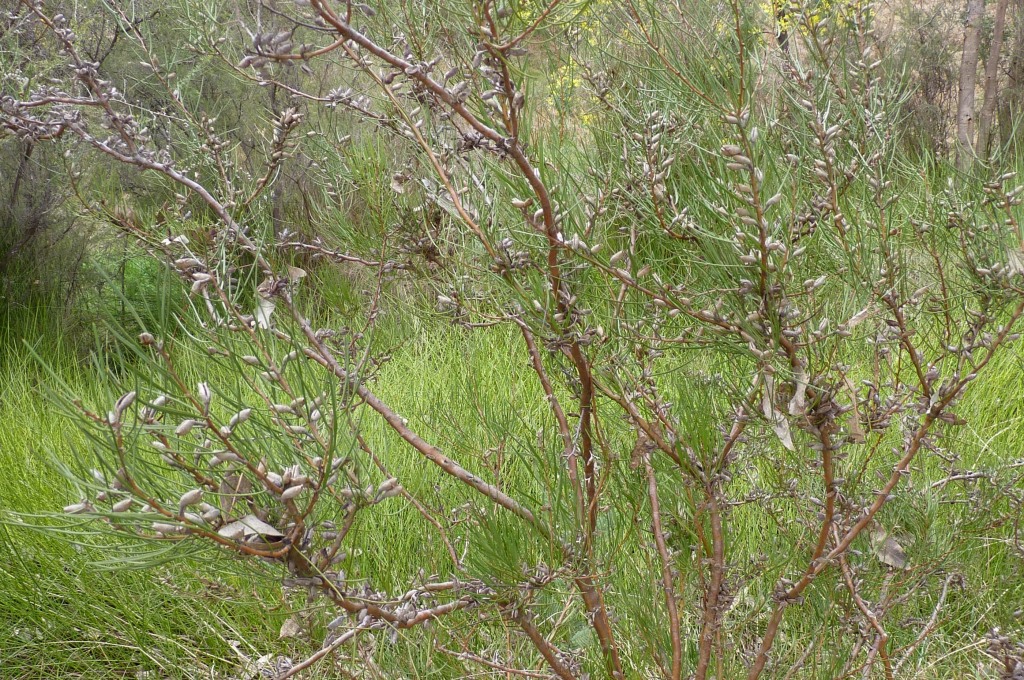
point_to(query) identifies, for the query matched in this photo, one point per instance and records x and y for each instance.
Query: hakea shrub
(743, 318)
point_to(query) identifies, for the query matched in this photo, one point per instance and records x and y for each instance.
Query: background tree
(965, 115)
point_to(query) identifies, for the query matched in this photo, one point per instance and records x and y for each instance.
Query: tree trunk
(988, 106)
(9, 216)
(1010, 97)
(968, 82)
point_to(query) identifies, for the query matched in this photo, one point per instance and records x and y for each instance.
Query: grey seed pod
(291, 492)
(123, 403)
(185, 427)
(240, 417)
(224, 457)
(190, 498)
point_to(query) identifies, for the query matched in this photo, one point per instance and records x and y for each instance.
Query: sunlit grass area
(74, 609)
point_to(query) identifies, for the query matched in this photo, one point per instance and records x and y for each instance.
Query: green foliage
(740, 299)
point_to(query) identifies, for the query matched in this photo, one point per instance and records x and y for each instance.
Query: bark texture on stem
(968, 83)
(988, 106)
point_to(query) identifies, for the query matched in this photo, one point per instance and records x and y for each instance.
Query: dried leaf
(264, 309)
(232, 488)
(1015, 260)
(250, 528)
(798, 404)
(779, 423)
(290, 628)
(234, 531)
(886, 548)
(257, 527)
(857, 434)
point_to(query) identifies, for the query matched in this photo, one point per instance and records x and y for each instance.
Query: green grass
(474, 395)
(62, 616)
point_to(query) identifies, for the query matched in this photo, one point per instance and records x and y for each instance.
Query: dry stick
(819, 565)
(710, 627)
(651, 431)
(556, 409)
(707, 633)
(377, 611)
(468, 656)
(434, 455)
(415, 503)
(869, 664)
(322, 355)
(336, 255)
(904, 337)
(531, 28)
(967, 477)
(546, 649)
(667, 581)
(342, 639)
(883, 637)
(586, 404)
(816, 557)
(928, 628)
(813, 645)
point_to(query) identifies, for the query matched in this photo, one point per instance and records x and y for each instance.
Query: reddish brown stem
(545, 648)
(711, 598)
(667, 579)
